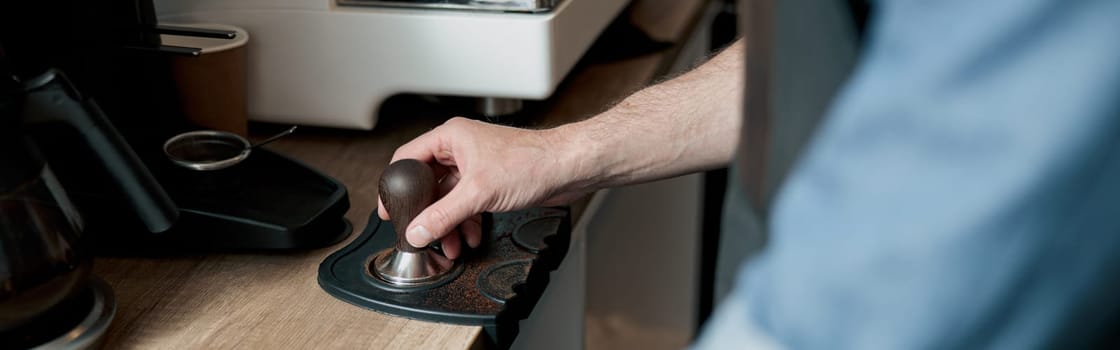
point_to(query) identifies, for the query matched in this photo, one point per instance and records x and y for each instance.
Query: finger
(451, 246)
(424, 148)
(472, 230)
(441, 217)
(381, 213)
(434, 146)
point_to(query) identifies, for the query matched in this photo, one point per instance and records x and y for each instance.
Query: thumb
(441, 217)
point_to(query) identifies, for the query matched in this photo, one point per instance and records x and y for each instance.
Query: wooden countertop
(274, 300)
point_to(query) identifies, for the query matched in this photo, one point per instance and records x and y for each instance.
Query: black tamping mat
(499, 284)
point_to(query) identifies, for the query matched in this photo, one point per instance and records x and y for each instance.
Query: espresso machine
(334, 62)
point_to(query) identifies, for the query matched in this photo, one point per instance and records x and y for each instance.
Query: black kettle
(42, 260)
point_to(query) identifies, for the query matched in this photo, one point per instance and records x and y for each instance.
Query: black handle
(51, 98)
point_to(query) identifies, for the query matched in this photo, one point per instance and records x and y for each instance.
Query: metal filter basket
(207, 150)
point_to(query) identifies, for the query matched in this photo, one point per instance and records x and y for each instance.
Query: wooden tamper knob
(407, 187)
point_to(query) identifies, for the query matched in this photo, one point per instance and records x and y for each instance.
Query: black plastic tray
(267, 202)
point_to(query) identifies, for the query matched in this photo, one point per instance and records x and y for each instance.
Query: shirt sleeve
(963, 191)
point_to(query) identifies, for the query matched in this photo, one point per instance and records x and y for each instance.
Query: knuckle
(397, 154)
(457, 122)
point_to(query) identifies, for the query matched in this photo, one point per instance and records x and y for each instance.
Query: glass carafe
(41, 264)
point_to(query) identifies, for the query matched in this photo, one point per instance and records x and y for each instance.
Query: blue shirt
(962, 191)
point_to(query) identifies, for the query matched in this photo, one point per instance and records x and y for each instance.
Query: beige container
(212, 85)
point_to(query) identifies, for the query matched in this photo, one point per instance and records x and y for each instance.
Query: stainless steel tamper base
(422, 268)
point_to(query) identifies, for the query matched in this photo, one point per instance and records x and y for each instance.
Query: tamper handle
(407, 187)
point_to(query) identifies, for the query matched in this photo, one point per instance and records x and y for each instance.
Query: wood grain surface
(272, 300)
(407, 186)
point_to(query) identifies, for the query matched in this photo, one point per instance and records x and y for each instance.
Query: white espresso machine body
(315, 62)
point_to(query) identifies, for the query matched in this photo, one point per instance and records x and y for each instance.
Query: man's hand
(687, 124)
(485, 167)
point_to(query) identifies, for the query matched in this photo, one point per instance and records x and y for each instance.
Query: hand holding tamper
(494, 288)
(407, 187)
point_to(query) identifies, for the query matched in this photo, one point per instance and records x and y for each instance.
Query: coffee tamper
(407, 187)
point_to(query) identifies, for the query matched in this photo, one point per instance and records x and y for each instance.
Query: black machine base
(267, 202)
(499, 285)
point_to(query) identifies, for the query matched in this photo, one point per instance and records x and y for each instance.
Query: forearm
(687, 124)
